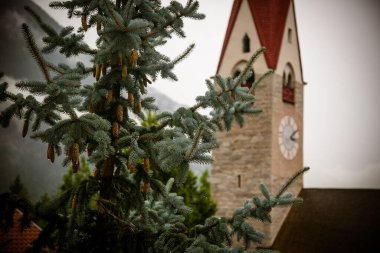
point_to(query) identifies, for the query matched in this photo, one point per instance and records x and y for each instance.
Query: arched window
(246, 44)
(289, 82)
(250, 80)
(239, 67)
(236, 73)
(288, 86)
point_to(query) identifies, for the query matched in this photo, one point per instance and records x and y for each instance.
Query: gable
(289, 50)
(240, 24)
(270, 19)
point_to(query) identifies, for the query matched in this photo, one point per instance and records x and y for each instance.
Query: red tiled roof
(20, 241)
(269, 17)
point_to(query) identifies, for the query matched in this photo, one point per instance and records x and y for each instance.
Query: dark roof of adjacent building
(332, 220)
(269, 17)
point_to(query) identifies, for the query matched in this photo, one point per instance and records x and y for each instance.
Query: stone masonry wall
(253, 153)
(246, 152)
(281, 168)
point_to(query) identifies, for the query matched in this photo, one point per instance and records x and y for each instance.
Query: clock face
(288, 137)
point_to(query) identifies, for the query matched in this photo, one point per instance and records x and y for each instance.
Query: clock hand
(292, 136)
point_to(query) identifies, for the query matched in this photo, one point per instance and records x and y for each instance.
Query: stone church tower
(269, 148)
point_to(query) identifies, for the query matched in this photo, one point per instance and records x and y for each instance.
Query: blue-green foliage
(123, 207)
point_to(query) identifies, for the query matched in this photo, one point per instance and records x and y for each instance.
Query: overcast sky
(340, 51)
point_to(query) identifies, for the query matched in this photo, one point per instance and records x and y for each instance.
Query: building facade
(269, 148)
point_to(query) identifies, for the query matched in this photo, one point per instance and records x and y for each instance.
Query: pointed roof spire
(269, 17)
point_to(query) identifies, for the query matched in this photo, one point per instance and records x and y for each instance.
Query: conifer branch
(248, 66)
(163, 125)
(261, 78)
(184, 54)
(10, 96)
(196, 140)
(73, 115)
(169, 23)
(55, 68)
(35, 52)
(290, 181)
(196, 106)
(110, 10)
(131, 227)
(130, 3)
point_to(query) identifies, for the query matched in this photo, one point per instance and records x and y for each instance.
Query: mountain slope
(15, 58)
(18, 156)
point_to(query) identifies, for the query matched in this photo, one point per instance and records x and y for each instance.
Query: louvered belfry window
(288, 87)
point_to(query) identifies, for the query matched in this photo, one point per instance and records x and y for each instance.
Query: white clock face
(288, 137)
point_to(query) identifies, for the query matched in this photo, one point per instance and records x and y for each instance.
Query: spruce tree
(122, 207)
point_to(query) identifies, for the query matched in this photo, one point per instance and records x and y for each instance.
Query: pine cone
(115, 129)
(139, 107)
(98, 27)
(146, 187)
(25, 128)
(97, 72)
(75, 166)
(69, 151)
(134, 57)
(104, 69)
(124, 72)
(131, 99)
(146, 164)
(119, 59)
(50, 153)
(142, 87)
(119, 113)
(75, 154)
(74, 201)
(84, 22)
(109, 97)
(131, 167)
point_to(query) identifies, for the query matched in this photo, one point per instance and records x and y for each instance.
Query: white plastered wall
(289, 52)
(234, 51)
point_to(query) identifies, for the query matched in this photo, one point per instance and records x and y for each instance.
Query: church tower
(269, 148)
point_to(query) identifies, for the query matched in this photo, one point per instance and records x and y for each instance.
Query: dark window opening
(250, 80)
(287, 89)
(290, 35)
(248, 83)
(246, 44)
(239, 181)
(237, 73)
(290, 81)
